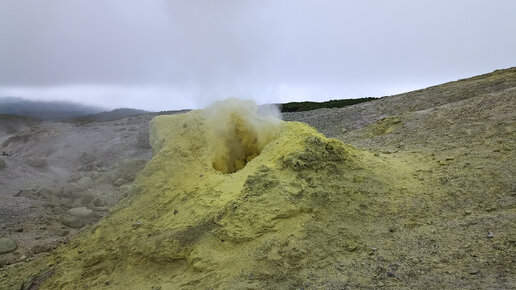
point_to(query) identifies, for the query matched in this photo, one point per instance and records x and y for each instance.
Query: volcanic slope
(427, 202)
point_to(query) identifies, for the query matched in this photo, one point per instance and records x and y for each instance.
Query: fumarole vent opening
(240, 146)
(238, 132)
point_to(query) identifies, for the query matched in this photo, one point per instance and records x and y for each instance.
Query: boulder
(81, 212)
(77, 217)
(7, 245)
(72, 221)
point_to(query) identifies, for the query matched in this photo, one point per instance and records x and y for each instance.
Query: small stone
(108, 283)
(390, 275)
(7, 245)
(474, 272)
(490, 235)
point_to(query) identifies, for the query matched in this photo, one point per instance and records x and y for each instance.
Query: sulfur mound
(230, 199)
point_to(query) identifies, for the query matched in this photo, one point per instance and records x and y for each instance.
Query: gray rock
(81, 212)
(77, 217)
(72, 221)
(7, 245)
(2, 164)
(85, 182)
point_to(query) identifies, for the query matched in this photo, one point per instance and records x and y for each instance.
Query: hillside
(415, 190)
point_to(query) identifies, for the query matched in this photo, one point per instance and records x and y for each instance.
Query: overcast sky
(159, 55)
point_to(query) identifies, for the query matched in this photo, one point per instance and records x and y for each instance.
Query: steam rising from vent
(240, 129)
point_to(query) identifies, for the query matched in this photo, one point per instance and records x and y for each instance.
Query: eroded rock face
(7, 245)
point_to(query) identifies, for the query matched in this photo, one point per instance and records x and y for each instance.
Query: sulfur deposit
(230, 199)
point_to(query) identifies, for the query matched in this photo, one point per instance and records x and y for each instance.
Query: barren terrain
(432, 205)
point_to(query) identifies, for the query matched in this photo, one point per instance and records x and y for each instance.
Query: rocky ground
(455, 142)
(56, 177)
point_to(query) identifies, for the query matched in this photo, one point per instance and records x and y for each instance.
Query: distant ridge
(115, 114)
(52, 110)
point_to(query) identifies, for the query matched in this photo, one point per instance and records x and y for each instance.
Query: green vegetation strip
(307, 106)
